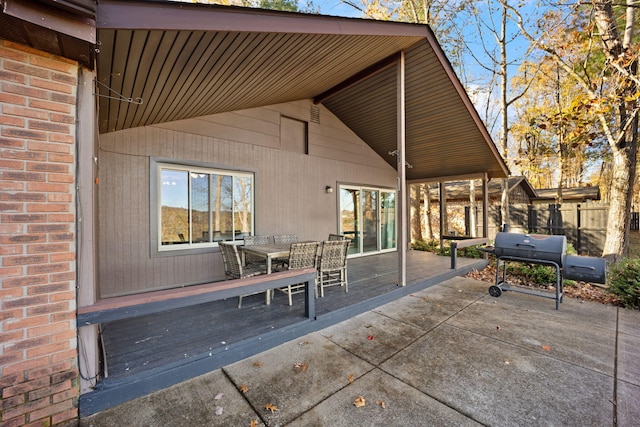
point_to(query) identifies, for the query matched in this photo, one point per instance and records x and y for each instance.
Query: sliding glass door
(367, 217)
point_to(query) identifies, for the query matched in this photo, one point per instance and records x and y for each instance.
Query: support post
(402, 173)
(485, 206)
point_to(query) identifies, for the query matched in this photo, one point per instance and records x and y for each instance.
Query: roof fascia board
(449, 178)
(446, 65)
(113, 14)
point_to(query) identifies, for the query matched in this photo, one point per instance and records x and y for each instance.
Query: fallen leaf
(258, 363)
(506, 362)
(219, 396)
(270, 407)
(254, 423)
(381, 403)
(351, 378)
(425, 298)
(546, 348)
(300, 366)
(243, 388)
(359, 402)
(370, 337)
(438, 305)
(303, 343)
(219, 410)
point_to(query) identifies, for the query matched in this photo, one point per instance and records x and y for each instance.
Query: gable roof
(580, 194)
(189, 60)
(459, 190)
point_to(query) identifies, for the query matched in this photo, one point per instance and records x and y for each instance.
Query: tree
(610, 84)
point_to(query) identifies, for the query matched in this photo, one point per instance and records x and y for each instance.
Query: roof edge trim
(114, 14)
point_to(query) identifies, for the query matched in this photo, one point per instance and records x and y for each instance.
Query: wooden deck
(154, 351)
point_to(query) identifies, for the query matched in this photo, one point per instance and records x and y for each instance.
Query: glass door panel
(369, 202)
(387, 220)
(349, 217)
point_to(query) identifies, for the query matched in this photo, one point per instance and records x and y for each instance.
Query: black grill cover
(585, 269)
(531, 246)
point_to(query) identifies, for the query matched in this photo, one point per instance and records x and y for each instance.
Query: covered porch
(155, 351)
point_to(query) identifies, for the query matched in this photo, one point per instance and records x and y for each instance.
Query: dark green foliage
(425, 245)
(624, 282)
(536, 273)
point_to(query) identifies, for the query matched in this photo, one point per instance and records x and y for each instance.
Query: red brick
(11, 143)
(48, 228)
(24, 260)
(24, 155)
(47, 207)
(10, 98)
(12, 164)
(49, 106)
(64, 78)
(47, 308)
(10, 228)
(47, 146)
(23, 238)
(22, 176)
(10, 249)
(11, 186)
(24, 134)
(63, 118)
(25, 302)
(48, 268)
(60, 217)
(65, 395)
(11, 336)
(13, 54)
(21, 67)
(27, 322)
(60, 198)
(11, 207)
(62, 158)
(59, 257)
(8, 381)
(10, 315)
(25, 90)
(10, 293)
(60, 377)
(10, 271)
(12, 121)
(66, 315)
(51, 85)
(10, 76)
(27, 344)
(19, 421)
(49, 289)
(47, 329)
(63, 296)
(65, 406)
(47, 167)
(13, 401)
(48, 349)
(62, 237)
(69, 416)
(24, 48)
(68, 336)
(61, 177)
(23, 197)
(27, 408)
(24, 281)
(25, 112)
(47, 187)
(64, 138)
(20, 368)
(49, 126)
(71, 354)
(50, 369)
(55, 64)
(58, 97)
(23, 218)
(47, 248)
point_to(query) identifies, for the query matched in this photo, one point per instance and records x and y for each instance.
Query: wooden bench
(464, 243)
(117, 308)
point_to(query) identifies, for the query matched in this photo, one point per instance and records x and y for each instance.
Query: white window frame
(157, 167)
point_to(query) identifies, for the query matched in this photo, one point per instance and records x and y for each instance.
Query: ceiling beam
(358, 77)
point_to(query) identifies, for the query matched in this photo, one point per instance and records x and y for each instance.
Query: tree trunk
(414, 214)
(426, 215)
(472, 209)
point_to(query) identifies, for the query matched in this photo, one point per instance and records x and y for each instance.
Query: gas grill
(546, 250)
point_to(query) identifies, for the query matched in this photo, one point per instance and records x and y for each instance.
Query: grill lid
(531, 246)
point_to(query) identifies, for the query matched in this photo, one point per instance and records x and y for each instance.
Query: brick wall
(38, 348)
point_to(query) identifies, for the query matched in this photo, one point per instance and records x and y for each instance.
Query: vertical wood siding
(289, 186)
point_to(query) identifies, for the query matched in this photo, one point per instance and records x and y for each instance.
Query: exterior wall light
(328, 189)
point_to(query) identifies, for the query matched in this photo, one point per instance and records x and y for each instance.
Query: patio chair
(234, 269)
(253, 260)
(281, 263)
(301, 255)
(337, 237)
(332, 265)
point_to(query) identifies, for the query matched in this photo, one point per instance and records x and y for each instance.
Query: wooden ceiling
(185, 60)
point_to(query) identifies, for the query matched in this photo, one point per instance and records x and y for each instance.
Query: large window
(199, 207)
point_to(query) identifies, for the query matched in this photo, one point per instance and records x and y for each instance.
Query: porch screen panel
(174, 207)
(222, 207)
(369, 221)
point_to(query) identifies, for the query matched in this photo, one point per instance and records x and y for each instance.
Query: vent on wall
(315, 114)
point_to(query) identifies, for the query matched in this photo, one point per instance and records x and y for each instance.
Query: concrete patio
(447, 355)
